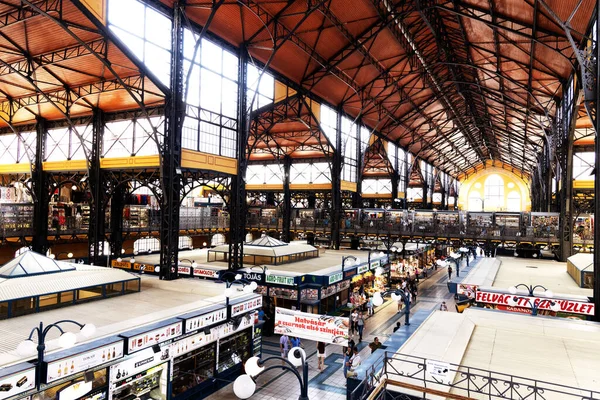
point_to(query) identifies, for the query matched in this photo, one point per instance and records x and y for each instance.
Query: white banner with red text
(566, 306)
(315, 327)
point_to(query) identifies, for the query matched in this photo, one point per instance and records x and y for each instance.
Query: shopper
(354, 321)
(321, 355)
(374, 345)
(360, 324)
(443, 306)
(347, 355)
(449, 272)
(354, 363)
(284, 344)
(296, 342)
(370, 306)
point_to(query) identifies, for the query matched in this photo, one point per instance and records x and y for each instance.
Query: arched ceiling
(457, 82)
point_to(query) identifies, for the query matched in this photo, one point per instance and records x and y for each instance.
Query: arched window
(475, 201)
(494, 192)
(513, 201)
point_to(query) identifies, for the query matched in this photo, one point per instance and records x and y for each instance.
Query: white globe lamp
(377, 299)
(88, 330)
(549, 293)
(296, 355)
(244, 386)
(512, 290)
(26, 348)
(67, 340)
(252, 368)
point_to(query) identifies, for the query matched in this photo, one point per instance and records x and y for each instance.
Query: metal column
(287, 199)
(597, 175)
(117, 203)
(96, 187)
(360, 162)
(171, 154)
(40, 191)
(336, 185)
(566, 213)
(406, 180)
(237, 201)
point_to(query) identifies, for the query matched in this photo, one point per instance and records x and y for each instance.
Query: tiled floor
(330, 384)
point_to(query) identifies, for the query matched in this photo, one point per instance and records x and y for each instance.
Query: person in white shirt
(354, 321)
(354, 363)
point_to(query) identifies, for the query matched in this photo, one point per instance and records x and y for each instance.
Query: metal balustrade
(408, 375)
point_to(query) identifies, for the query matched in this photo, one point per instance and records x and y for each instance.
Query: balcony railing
(409, 374)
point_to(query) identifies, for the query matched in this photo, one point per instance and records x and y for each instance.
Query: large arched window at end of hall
(494, 192)
(513, 201)
(475, 201)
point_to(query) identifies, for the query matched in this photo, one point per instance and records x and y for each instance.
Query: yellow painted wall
(476, 183)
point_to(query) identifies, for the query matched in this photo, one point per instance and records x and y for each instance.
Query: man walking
(449, 272)
(284, 345)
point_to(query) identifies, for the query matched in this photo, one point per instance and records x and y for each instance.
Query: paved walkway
(330, 384)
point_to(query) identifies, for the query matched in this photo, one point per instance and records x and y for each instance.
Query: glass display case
(234, 349)
(193, 368)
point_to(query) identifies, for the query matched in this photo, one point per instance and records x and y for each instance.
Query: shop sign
(348, 274)
(244, 307)
(201, 321)
(253, 277)
(184, 270)
(568, 306)
(136, 367)
(363, 268)
(335, 277)
(315, 327)
(193, 342)
(75, 391)
(121, 264)
(206, 273)
(153, 337)
(280, 280)
(375, 264)
(81, 362)
(17, 383)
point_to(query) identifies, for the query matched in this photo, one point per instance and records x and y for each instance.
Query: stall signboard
(67, 366)
(17, 383)
(156, 336)
(283, 293)
(121, 264)
(253, 277)
(281, 280)
(184, 270)
(335, 277)
(363, 268)
(375, 264)
(315, 327)
(206, 273)
(193, 342)
(201, 321)
(135, 367)
(244, 307)
(566, 306)
(350, 273)
(467, 290)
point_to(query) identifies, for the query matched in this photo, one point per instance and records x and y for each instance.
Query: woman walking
(360, 323)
